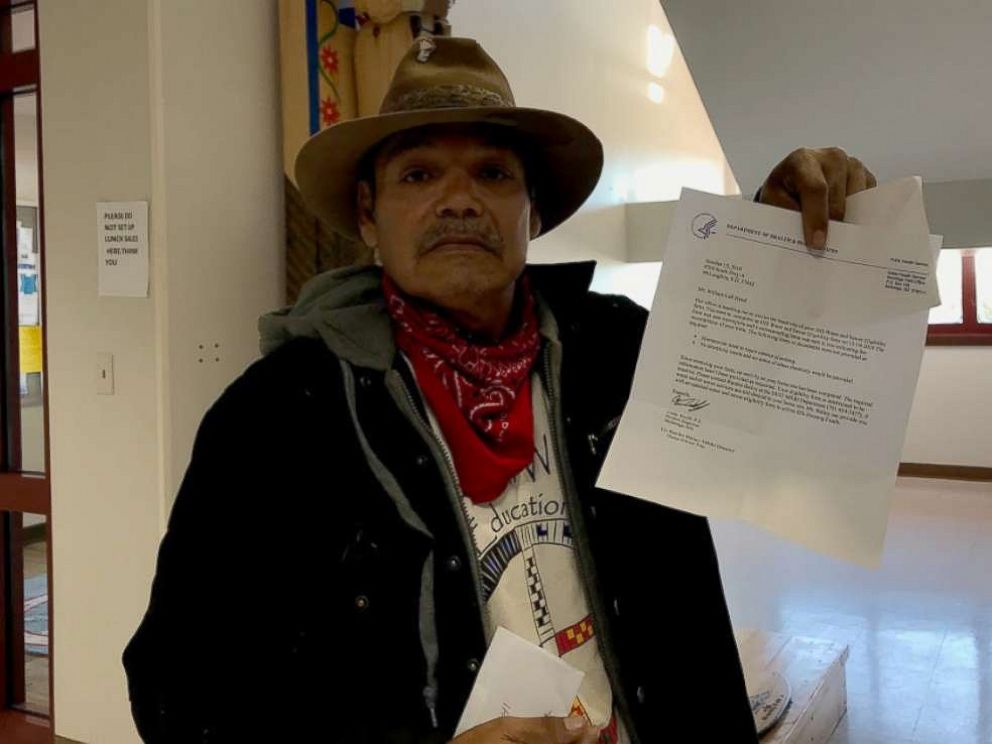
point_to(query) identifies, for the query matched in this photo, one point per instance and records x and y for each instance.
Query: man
(432, 432)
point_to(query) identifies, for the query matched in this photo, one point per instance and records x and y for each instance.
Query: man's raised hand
(816, 182)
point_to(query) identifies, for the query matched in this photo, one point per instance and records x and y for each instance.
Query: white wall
(590, 63)
(959, 210)
(104, 450)
(174, 101)
(951, 420)
(636, 280)
(221, 184)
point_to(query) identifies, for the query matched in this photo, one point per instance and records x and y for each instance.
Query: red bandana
(480, 394)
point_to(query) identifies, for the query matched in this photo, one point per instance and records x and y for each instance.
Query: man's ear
(535, 220)
(365, 204)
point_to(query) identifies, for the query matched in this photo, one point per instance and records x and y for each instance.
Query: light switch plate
(105, 374)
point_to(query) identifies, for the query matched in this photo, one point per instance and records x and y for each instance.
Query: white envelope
(522, 680)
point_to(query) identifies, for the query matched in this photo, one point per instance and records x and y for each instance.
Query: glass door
(25, 578)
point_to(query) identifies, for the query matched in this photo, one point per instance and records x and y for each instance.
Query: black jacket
(288, 596)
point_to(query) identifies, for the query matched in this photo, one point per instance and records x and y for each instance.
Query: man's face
(451, 217)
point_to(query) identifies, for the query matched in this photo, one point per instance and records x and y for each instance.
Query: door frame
(19, 492)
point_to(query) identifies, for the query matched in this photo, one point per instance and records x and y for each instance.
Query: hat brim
(568, 159)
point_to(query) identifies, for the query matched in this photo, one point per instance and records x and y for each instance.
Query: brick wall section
(311, 248)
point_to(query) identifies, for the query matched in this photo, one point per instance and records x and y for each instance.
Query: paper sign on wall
(122, 243)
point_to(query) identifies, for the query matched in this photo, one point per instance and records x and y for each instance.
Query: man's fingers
(837, 194)
(857, 177)
(834, 165)
(510, 730)
(772, 193)
(813, 201)
(571, 730)
(574, 730)
(801, 177)
(817, 183)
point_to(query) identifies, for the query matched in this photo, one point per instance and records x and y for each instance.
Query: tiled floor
(36, 667)
(919, 628)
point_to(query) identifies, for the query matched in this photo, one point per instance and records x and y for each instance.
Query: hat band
(446, 96)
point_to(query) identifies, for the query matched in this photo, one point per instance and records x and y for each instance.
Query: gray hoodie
(346, 309)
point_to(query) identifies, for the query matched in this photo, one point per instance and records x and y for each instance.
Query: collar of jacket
(345, 308)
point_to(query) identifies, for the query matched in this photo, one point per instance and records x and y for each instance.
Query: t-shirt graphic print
(530, 575)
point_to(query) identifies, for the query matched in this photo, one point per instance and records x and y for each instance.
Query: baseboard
(948, 472)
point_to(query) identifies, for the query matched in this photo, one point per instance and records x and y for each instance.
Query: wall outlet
(105, 374)
(208, 352)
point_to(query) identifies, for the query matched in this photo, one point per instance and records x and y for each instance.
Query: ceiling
(903, 84)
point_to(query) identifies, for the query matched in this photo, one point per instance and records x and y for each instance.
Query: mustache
(487, 235)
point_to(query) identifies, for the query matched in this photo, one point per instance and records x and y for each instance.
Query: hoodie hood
(346, 309)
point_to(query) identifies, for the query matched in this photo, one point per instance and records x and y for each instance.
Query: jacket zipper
(454, 491)
(577, 520)
(430, 699)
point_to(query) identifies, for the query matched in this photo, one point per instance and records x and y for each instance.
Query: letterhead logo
(703, 225)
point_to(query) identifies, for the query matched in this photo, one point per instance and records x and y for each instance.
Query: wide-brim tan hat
(450, 81)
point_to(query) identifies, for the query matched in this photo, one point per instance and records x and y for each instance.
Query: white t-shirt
(530, 575)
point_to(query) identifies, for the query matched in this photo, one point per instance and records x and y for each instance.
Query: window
(983, 285)
(964, 316)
